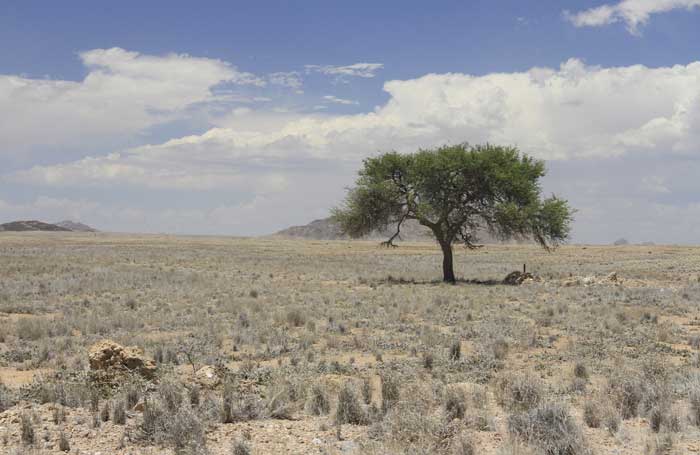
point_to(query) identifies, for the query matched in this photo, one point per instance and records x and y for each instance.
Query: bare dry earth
(298, 342)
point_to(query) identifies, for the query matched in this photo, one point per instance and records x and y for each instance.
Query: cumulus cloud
(634, 13)
(366, 70)
(577, 116)
(573, 112)
(124, 93)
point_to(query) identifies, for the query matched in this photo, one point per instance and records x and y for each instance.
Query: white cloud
(580, 117)
(366, 70)
(634, 13)
(334, 99)
(124, 93)
(574, 112)
(291, 79)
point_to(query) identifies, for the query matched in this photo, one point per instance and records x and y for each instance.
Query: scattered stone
(612, 277)
(517, 278)
(571, 282)
(207, 377)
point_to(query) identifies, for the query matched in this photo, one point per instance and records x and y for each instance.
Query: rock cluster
(112, 358)
(611, 278)
(517, 278)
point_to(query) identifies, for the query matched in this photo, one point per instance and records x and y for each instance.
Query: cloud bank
(573, 112)
(123, 93)
(620, 140)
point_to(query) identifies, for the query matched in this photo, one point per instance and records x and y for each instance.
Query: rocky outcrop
(112, 358)
(517, 278)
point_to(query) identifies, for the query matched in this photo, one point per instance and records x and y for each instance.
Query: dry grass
(345, 347)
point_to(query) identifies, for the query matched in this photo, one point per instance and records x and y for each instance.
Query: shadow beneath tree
(402, 281)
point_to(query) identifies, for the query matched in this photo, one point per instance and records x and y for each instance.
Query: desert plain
(154, 344)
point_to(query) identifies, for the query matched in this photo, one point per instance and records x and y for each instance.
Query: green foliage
(456, 190)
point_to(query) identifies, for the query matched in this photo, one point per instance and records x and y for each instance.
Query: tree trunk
(448, 273)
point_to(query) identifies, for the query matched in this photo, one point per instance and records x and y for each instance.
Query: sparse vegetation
(333, 351)
(349, 409)
(452, 190)
(27, 434)
(63, 443)
(549, 427)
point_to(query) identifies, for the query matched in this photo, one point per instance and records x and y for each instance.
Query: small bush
(170, 393)
(153, 420)
(455, 351)
(463, 445)
(580, 371)
(549, 427)
(638, 392)
(627, 393)
(500, 349)
(694, 342)
(241, 408)
(411, 425)
(367, 390)
(240, 447)
(597, 414)
(455, 403)
(694, 399)
(349, 409)
(519, 391)
(131, 396)
(318, 403)
(185, 431)
(278, 406)
(663, 418)
(63, 443)
(5, 399)
(58, 415)
(180, 428)
(612, 421)
(660, 444)
(428, 361)
(390, 391)
(578, 385)
(296, 318)
(194, 395)
(592, 414)
(119, 414)
(27, 429)
(104, 413)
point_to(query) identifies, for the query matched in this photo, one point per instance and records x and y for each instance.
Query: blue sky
(228, 117)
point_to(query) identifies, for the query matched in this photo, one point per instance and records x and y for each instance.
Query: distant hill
(75, 226)
(34, 225)
(325, 229)
(31, 225)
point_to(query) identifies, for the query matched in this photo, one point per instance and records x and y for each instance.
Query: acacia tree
(455, 191)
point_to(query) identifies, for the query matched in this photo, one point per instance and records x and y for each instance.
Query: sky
(243, 118)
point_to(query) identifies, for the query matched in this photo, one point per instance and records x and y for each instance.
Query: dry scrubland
(339, 347)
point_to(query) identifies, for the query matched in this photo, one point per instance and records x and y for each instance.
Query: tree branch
(390, 243)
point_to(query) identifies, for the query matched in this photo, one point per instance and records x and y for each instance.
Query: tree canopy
(456, 191)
